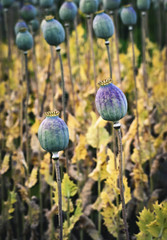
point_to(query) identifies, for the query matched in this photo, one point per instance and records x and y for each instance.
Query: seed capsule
(19, 25)
(128, 16)
(53, 31)
(88, 6)
(53, 133)
(7, 3)
(68, 11)
(103, 26)
(28, 12)
(110, 101)
(46, 3)
(24, 40)
(143, 5)
(111, 4)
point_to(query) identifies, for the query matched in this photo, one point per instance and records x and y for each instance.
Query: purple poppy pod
(24, 40)
(53, 133)
(7, 3)
(110, 101)
(128, 16)
(103, 25)
(19, 25)
(68, 11)
(53, 31)
(28, 12)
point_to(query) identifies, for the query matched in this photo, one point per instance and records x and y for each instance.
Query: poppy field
(83, 120)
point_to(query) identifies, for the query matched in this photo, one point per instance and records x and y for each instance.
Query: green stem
(51, 198)
(99, 215)
(77, 45)
(6, 11)
(56, 160)
(109, 57)
(52, 78)
(69, 63)
(62, 82)
(143, 17)
(68, 215)
(117, 127)
(89, 20)
(136, 91)
(26, 110)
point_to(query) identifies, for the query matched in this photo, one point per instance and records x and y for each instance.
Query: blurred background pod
(68, 11)
(165, 5)
(110, 101)
(24, 40)
(128, 15)
(88, 6)
(34, 24)
(111, 5)
(53, 31)
(103, 25)
(7, 3)
(46, 3)
(76, 2)
(19, 25)
(53, 133)
(28, 12)
(143, 5)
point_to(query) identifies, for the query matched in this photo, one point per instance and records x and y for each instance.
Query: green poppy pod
(46, 3)
(24, 40)
(68, 11)
(76, 2)
(88, 6)
(34, 25)
(53, 31)
(143, 5)
(111, 4)
(7, 3)
(128, 16)
(103, 25)
(28, 12)
(53, 133)
(110, 101)
(19, 25)
(165, 5)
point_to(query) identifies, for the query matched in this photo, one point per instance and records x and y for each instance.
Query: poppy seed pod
(34, 25)
(28, 12)
(46, 3)
(68, 11)
(76, 2)
(128, 16)
(165, 5)
(53, 31)
(143, 5)
(24, 40)
(19, 25)
(111, 4)
(110, 101)
(88, 6)
(103, 26)
(7, 3)
(53, 133)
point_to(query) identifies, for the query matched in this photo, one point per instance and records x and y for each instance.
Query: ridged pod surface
(128, 16)
(53, 32)
(110, 102)
(53, 134)
(19, 25)
(111, 4)
(24, 40)
(7, 3)
(143, 5)
(68, 11)
(103, 26)
(88, 6)
(28, 12)
(46, 3)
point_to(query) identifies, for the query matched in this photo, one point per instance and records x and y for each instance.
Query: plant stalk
(62, 81)
(77, 45)
(69, 63)
(107, 43)
(6, 11)
(52, 81)
(58, 178)
(89, 21)
(136, 91)
(165, 63)
(26, 110)
(143, 18)
(117, 127)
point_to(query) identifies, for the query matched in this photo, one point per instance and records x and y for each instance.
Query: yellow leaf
(80, 150)
(33, 178)
(5, 164)
(73, 124)
(69, 189)
(35, 126)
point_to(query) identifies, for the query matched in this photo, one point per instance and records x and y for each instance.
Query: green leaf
(145, 218)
